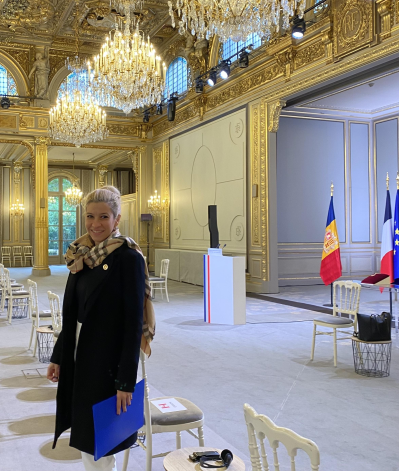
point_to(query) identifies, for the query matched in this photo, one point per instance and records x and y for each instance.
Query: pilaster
(41, 267)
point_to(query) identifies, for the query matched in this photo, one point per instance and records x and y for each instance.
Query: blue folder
(111, 429)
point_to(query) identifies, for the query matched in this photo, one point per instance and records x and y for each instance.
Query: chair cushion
(192, 414)
(327, 319)
(154, 278)
(17, 294)
(16, 285)
(42, 314)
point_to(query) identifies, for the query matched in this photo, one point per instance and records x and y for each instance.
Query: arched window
(7, 82)
(176, 76)
(231, 47)
(69, 83)
(62, 219)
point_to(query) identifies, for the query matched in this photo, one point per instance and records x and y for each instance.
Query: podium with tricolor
(224, 289)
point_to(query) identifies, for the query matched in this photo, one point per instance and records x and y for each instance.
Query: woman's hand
(53, 372)
(123, 399)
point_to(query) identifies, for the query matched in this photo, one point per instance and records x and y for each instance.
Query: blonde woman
(107, 316)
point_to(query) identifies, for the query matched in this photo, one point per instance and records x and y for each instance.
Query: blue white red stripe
(387, 249)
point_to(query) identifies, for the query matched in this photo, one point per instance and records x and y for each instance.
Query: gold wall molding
(274, 110)
(264, 189)
(8, 121)
(385, 11)
(102, 174)
(310, 54)
(255, 176)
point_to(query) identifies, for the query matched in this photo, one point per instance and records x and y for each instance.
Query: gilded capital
(42, 141)
(102, 172)
(274, 110)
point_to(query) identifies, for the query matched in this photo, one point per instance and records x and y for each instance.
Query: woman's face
(100, 221)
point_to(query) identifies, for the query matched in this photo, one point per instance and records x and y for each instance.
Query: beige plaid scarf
(83, 250)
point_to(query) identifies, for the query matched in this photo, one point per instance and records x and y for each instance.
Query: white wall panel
(360, 191)
(26, 202)
(6, 204)
(386, 148)
(208, 166)
(310, 154)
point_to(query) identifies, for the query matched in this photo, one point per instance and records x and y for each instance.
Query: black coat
(108, 350)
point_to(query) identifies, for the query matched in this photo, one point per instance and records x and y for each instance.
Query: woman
(107, 316)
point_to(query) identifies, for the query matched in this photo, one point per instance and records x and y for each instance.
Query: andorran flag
(331, 268)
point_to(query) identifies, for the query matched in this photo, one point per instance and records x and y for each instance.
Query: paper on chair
(168, 405)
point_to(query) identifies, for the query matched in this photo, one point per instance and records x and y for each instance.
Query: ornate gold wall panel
(354, 22)
(160, 182)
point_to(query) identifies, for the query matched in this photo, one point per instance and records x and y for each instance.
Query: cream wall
(207, 167)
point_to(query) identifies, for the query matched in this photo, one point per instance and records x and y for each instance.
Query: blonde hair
(107, 194)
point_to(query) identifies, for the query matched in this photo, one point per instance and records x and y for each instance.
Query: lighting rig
(5, 101)
(157, 109)
(223, 69)
(299, 24)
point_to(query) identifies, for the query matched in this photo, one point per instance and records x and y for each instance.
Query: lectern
(224, 289)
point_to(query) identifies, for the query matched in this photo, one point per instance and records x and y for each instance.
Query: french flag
(387, 242)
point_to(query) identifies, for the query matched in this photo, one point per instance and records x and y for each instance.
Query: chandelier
(77, 118)
(234, 19)
(73, 196)
(17, 209)
(155, 206)
(127, 73)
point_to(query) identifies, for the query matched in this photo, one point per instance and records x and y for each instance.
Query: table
(178, 460)
(390, 288)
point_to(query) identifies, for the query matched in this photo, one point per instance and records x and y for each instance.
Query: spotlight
(5, 103)
(224, 70)
(199, 86)
(172, 107)
(212, 78)
(298, 28)
(159, 109)
(243, 60)
(146, 117)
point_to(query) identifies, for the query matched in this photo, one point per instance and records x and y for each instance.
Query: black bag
(374, 328)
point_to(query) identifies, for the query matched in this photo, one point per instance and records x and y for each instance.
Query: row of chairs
(13, 293)
(259, 427)
(17, 254)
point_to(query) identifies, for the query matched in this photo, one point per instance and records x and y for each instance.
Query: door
(62, 219)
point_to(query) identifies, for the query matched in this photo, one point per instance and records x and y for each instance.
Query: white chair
(28, 254)
(35, 314)
(17, 255)
(14, 286)
(14, 294)
(261, 427)
(347, 302)
(6, 255)
(157, 422)
(56, 315)
(161, 282)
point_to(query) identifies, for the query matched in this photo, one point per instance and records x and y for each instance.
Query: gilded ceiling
(52, 23)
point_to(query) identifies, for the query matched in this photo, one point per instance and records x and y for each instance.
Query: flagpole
(331, 284)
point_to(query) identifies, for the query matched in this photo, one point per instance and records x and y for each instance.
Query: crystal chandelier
(77, 118)
(234, 19)
(73, 196)
(17, 209)
(127, 73)
(155, 206)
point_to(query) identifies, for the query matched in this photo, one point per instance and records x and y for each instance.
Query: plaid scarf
(83, 250)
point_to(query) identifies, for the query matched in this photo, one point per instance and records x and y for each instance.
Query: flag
(396, 241)
(387, 242)
(331, 268)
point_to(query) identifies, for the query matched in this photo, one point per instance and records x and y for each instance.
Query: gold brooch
(105, 267)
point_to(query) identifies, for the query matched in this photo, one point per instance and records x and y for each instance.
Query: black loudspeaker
(213, 226)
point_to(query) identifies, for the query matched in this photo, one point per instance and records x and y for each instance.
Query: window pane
(231, 47)
(53, 218)
(53, 232)
(69, 233)
(66, 184)
(53, 203)
(67, 207)
(69, 218)
(65, 245)
(53, 247)
(54, 185)
(176, 76)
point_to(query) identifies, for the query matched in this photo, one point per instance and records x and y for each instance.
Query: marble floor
(353, 419)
